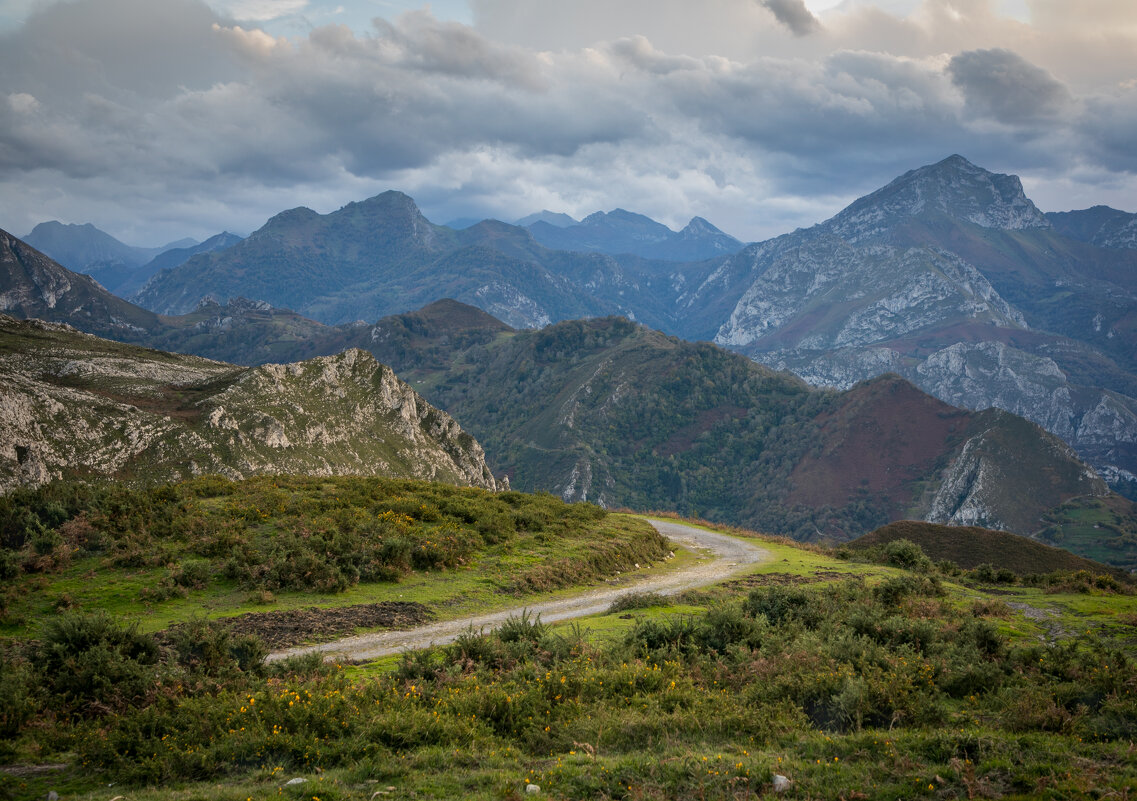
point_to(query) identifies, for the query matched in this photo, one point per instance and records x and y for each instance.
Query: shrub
(17, 702)
(94, 664)
(783, 605)
(893, 590)
(208, 648)
(724, 626)
(522, 627)
(989, 574)
(906, 554)
(637, 600)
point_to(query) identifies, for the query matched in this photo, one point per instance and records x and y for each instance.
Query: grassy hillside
(220, 548)
(969, 547)
(1104, 529)
(846, 680)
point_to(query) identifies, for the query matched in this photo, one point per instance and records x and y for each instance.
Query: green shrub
(94, 664)
(894, 589)
(523, 627)
(784, 605)
(906, 554)
(209, 648)
(637, 600)
(17, 696)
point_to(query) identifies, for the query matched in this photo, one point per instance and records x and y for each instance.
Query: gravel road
(721, 556)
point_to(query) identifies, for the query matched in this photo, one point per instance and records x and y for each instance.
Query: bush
(17, 702)
(988, 574)
(637, 600)
(906, 554)
(522, 628)
(784, 605)
(208, 648)
(94, 664)
(893, 590)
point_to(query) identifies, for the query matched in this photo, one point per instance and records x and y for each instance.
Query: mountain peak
(954, 188)
(554, 218)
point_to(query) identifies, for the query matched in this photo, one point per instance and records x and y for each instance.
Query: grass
(853, 680)
(502, 565)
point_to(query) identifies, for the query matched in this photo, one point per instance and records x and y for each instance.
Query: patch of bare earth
(286, 628)
(783, 579)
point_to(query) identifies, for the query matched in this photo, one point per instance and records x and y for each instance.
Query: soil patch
(781, 579)
(26, 771)
(284, 629)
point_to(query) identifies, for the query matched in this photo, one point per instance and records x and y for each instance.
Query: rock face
(72, 404)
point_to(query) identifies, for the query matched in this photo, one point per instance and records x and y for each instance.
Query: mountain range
(618, 232)
(611, 411)
(949, 276)
(119, 267)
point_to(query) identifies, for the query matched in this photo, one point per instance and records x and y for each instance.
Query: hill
(609, 411)
(951, 277)
(970, 546)
(33, 285)
(85, 249)
(75, 405)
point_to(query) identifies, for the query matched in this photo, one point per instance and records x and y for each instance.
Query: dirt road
(721, 556)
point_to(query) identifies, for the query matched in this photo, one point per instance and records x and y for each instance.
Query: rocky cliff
(74, 405)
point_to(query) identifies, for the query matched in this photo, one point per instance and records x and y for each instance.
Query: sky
(160, 119)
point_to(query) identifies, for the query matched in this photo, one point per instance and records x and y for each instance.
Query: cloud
(1002, 85)
(794, 15)
(149, 114)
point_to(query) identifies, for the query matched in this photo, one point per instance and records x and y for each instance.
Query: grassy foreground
(851, 680)
(215, 548)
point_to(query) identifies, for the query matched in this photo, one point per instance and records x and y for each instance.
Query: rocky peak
(953, 188)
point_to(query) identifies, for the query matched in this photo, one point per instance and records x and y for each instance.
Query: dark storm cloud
(146, 48)
(1000, 84)
(794, 15)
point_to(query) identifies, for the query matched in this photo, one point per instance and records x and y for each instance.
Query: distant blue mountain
(623, 232)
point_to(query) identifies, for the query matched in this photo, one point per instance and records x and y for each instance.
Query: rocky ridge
(72, 404)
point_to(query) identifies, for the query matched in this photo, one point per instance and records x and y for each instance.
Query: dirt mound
(296, 626)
